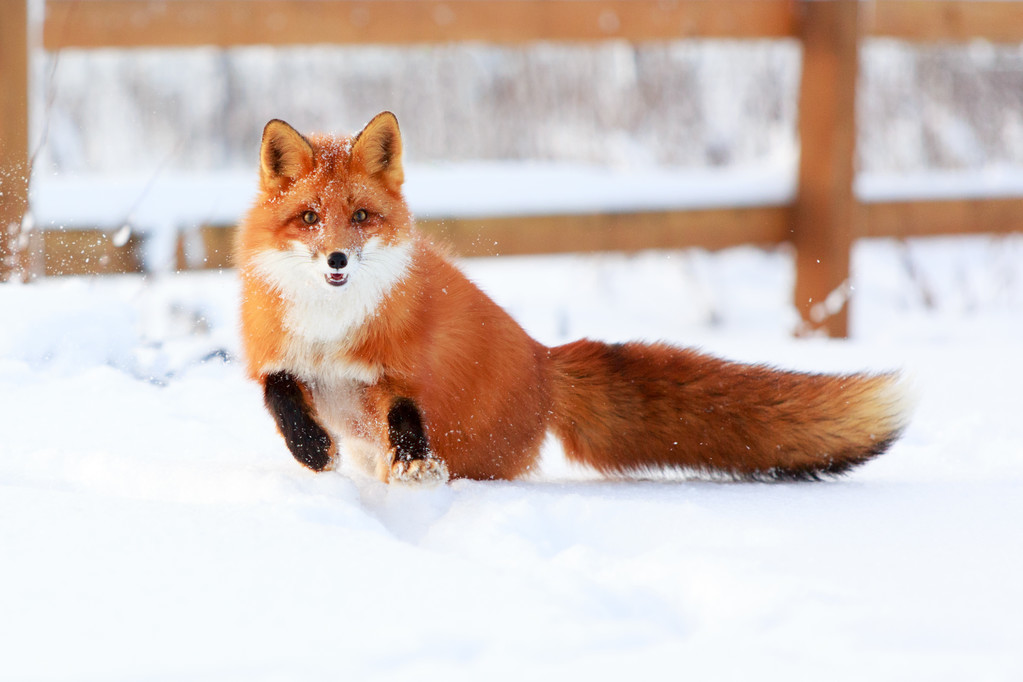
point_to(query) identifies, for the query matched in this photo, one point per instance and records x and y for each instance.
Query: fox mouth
(336, 279)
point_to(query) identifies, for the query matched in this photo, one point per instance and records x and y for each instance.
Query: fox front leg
(411, 459)
(288, 402)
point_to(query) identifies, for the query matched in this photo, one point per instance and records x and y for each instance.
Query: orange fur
(487, 393)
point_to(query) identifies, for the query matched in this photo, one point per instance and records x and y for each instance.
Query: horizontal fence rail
(182, 23)
(228, 23)
(822, 222)
(944, 21)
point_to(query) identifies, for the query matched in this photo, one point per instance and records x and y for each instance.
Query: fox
(370, 343)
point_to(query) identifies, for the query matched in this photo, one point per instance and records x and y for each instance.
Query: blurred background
(683, 104)
(691, 103)
(625, 121)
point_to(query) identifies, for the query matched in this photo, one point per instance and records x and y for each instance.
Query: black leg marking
(405, 431)
(307, 440)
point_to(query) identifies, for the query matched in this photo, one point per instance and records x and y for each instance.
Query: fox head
(330, 230)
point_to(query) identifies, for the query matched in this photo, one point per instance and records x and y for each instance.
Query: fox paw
(429, 471)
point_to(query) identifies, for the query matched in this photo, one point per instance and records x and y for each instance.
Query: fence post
(825, 211)
(13, 132)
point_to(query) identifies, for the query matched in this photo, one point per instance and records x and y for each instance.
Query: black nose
(337, 260)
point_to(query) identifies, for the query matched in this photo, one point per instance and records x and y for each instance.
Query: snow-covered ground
(154, 527)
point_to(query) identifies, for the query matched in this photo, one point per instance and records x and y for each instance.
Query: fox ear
(378, 149)
(285, 155)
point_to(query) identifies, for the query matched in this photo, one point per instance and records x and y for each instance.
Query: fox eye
(310, 217)
(360, 216)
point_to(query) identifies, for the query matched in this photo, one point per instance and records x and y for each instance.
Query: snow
(153, 525)
(990, 182)
(150, 205)
(439, 190)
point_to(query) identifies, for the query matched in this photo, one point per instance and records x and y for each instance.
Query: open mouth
(336, 279)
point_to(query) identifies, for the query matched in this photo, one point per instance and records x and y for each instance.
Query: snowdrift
(153, 525)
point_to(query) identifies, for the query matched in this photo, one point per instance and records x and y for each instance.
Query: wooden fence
(822, 222)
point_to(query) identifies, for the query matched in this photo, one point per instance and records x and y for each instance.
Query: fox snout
(337, 261)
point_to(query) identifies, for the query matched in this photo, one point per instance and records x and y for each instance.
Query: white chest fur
(319, 313)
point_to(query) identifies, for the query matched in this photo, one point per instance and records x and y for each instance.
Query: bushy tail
(633, 407)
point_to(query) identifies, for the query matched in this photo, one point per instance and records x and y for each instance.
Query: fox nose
(337, 260)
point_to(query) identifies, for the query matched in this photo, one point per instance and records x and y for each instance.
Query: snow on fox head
(330, 230)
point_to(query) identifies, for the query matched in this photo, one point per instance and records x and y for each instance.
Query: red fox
(365, 335)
